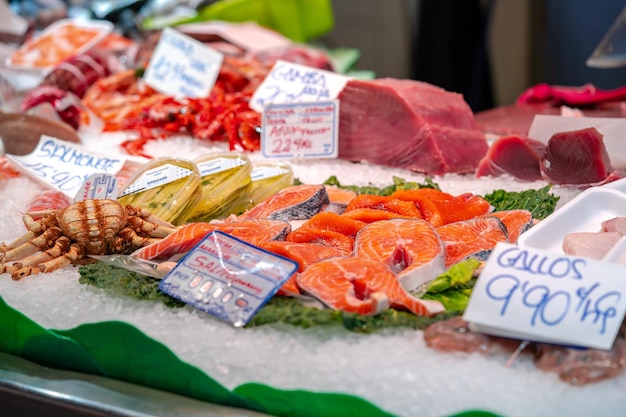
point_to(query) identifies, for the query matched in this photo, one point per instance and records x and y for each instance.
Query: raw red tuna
(515, 155)
(409, 124)
(576, 157)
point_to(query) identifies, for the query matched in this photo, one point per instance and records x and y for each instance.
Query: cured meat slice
(296, 202)
(360, 285)
(576, 157)
(410, 247)
(471, 238)
(409, 124)
(515, 155)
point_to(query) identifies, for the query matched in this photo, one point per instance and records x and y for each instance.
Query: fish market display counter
(30, 389)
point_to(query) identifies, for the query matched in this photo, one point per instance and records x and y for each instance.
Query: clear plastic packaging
(168, 187)
(224, 181)
(268, 178)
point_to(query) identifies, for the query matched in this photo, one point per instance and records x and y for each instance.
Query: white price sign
(300, 130)
(64, 166)
(182, 66)
(292, 83)
(542, 296)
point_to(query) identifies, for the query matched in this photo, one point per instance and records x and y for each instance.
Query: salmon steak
(360, 285)
(297, 202)
(305, 254)
(411, 248)
(187, 236)
(471, 238)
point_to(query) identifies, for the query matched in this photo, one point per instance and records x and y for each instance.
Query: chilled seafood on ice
(187, 236)
(89, 227)
(297, 202)
(474, 237)
(409, 247)
(361, 285)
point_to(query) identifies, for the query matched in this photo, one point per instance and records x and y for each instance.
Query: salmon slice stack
(361, 285)
(411, 248)
(297, 202)
(441, 208)
(187, 236)
(371, 215)
(387, 203)
(328, 229)
(471, 238)
(305, 254)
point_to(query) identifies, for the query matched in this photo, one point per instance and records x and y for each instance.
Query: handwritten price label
(293, 83)
(182, 67)
(64, 166)
(300, 130)
(535, 295)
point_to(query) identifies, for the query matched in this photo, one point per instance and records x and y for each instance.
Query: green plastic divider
(120, 351)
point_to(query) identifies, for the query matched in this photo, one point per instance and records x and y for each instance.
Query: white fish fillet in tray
(584, 213)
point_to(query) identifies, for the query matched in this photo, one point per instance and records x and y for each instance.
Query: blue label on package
(228, 278)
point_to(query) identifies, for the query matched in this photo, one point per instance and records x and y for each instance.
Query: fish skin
(296, 202)
(516, 221)
(410, 247)
(468, 238)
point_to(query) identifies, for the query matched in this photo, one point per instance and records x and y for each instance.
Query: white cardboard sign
(292, 83)
(300, 130)
(542, 296)
(64, 166)
(182, 66)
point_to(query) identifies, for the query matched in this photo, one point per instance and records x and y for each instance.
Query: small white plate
(584, 213)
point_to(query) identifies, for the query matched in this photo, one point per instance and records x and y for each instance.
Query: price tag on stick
(64, 166)
(182, 67)
(292, 83)
(531, 294)
(300, 130)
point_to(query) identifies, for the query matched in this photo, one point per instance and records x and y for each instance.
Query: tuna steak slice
(576, 157)
(515, 155)
(409, 124)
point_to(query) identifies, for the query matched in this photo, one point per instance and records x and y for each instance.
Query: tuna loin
(409, 124)
(515, 155)
(576, 157)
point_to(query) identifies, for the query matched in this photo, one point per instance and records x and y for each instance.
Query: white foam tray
(584, 213)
